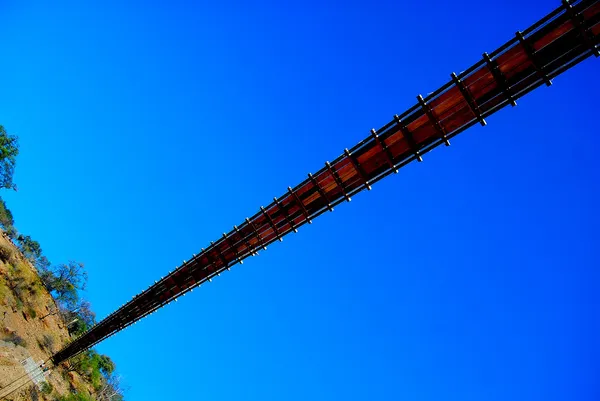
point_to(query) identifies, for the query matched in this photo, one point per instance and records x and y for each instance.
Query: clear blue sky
(149, 129)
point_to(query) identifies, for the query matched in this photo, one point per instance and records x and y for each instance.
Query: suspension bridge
(532, 58)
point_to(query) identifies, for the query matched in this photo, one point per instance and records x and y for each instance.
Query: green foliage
(31, 313)
(80, 318)
(79, 396)
(25, 288)
(4, 291)
(6, 253)
(47, 277)
(97, 368)
(9, 149)
(18, 284)
(35, 288)
(64, 281)
(106, 365)
(6, 218)
(77, 327)
(46, 388)
(42, 263)
(19, 304)
(95, 378)
(30, 248)
(11, 232)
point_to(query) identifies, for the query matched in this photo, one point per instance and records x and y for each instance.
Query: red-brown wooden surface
(558, 43)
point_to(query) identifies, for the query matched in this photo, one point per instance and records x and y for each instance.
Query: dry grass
(4, 292)
(21, 288)
(23, 301)
(12, 337)
(6, 253)
(47, 343)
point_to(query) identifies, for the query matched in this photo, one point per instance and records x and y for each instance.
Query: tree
(84, 363)
(18, 284)
(96, 367)
(65, 281)
(84, 312)
(111, 390)
(106, 365)
(78, 396)
(80, 318)
(6, 217)
(46, 275)
(76, 327)
(11, 232)
(9, 149)
(42, 264)
(30, 248)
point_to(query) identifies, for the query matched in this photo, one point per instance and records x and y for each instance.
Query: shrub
(18, 304)
(6, 253)
(19, 291)
(14, 272)
(31, 313)
(35, 288)
(34, 395)
(15, 339)
(21, 281)
(48, 342)
(46, 388)
(79, 396)
(4, 291)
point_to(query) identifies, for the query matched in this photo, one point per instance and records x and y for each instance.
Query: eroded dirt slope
(29, 327)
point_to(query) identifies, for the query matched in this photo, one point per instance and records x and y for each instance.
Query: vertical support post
(286, 215)
(273, 226)
(580, 26)
(256, 234)
(337, 180)
(300, 204)
(434, 120)
(211, 263)
(499, 78)
(233, 248)
(219, 254)
(358, 168)
(532, 54)
(469, 98)
(321, 191)
(409, 137)
(248, 245)
(388, 154)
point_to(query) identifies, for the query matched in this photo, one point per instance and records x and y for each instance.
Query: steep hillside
(30, 326)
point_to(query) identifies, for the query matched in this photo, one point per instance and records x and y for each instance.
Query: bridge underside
(532, 58)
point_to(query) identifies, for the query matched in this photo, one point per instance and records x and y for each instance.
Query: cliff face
(30, 327)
